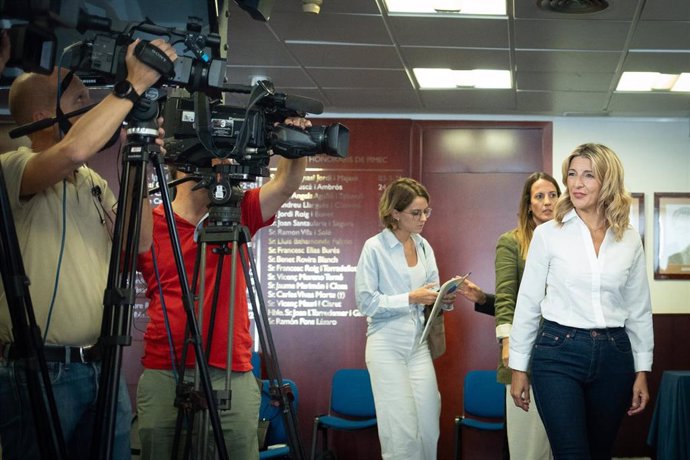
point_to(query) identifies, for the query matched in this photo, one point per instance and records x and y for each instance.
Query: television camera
(199, 127)
(201, 130)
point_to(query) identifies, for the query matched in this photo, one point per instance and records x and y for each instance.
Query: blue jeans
(75, 387)
(582, 382)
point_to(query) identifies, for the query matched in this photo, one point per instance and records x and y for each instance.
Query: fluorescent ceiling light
(473, 7)
(682, 83)
(451, 79)
(653, 81)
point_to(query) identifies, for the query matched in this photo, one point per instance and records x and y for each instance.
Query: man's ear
(41, 114)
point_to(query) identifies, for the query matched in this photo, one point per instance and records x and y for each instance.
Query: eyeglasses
(417, 213)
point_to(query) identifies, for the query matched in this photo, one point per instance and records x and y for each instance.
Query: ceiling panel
(567, 61)
(443, 32)
(666, 10)
(667, 62)
(571, 82)
(347, 56)
(356, 58)
(570, 35)
(340, 28)
(456, 58)
(662, 35)
(562, 102)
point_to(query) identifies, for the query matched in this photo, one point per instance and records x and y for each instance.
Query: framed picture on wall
(672, 236)
(637, 213)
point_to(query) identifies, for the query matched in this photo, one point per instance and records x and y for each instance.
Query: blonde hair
(614, 201)
(397, 196)
(526, 225)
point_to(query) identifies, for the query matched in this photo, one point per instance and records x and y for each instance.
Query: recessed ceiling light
(452, 79)
(653, 81)
(682, 83)
(462, 7)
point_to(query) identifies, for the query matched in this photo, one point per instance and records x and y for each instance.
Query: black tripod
(27, 335)
(224, 231)
(120, 291)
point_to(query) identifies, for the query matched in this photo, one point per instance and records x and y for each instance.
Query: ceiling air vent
(573, 6)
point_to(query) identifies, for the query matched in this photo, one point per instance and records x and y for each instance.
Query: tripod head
(225, 195)
(222, 184)
(142, 125)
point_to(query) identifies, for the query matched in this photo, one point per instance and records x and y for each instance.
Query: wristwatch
(124, 90)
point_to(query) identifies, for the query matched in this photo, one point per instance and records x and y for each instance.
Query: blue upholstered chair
(351, 406)
(483, 405)
(256, 364)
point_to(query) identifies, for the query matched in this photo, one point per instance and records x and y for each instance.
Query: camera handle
(120, 295)
(27, 335)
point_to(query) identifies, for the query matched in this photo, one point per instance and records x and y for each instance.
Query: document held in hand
(448, 287)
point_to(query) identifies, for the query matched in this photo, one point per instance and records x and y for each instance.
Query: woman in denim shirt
(395, 278)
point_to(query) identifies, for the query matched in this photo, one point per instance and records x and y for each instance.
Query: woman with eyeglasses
(396, 276)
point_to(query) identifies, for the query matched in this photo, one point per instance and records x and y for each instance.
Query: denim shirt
(382, 281)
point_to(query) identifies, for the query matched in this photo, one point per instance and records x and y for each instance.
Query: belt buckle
(81, 355)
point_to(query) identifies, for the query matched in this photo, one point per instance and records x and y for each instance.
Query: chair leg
(324, 442)
(314, 434)
(458, 439)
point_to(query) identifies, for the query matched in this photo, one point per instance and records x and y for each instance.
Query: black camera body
(200, 131)
(105, 55)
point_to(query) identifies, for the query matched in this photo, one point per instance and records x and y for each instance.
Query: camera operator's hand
(161, 135)
(298, 122)
(4, 49)
(140, 75)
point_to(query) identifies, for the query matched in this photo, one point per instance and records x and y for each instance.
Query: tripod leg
(119, 299)
(268, 347)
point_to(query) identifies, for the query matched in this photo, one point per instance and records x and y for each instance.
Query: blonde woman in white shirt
(585, 275)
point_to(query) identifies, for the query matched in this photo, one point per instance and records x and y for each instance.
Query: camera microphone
(96, 191)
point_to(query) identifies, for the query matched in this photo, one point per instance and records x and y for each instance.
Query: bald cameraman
(63, 214)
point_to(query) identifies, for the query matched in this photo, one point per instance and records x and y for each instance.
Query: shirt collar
(570, 215)
(391, 240)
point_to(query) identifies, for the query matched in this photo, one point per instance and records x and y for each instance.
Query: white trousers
(403, 379)
(526, 433)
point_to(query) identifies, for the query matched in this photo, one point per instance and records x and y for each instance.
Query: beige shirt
(78, 308)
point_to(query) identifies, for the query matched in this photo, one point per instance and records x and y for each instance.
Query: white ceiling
(356, 59)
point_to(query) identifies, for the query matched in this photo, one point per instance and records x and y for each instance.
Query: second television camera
(201, 130)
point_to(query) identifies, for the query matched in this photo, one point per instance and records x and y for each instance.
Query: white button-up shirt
(566, 282)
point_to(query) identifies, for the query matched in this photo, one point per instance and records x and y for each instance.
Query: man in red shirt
(156, 390)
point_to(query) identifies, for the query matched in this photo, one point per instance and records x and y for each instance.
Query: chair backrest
(276, 429)
(351, 393)
(256, 364)
(483, 396)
